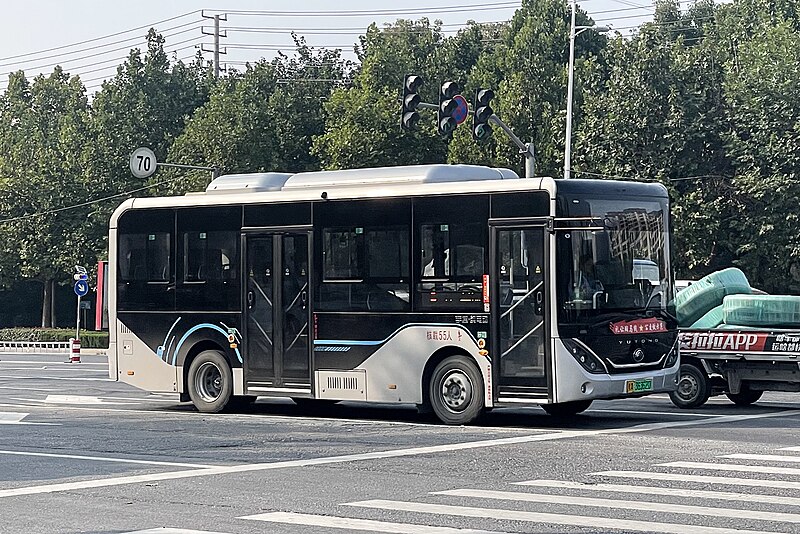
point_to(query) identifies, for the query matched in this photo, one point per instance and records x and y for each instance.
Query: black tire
(455, 391)
(210, 382)
(566, 409)
(745, 397)
(693, 387)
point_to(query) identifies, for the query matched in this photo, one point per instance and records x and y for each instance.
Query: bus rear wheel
(456, 391)
(210, 381)
(566, 409)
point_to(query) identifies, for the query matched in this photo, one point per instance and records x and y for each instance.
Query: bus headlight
(672, 357)
(588, 361)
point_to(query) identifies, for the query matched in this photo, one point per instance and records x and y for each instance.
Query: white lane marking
(118, 481)
(56, 369)
(327, 521)
(702, 479)
(82, 399)
(105, 459)
(167, 530)
(16, 418)
(647, 412)
(790, 449)
(669, 492)
(541, 517)
(734, 467)
(52, 362)
(19, 388)
(58, 378)
(764, 457)
(618, 504)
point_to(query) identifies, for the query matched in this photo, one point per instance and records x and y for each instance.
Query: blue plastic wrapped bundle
(762, 310)
(707, 293)
(712, 319)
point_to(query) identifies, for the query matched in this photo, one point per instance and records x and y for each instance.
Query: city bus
(457, 288)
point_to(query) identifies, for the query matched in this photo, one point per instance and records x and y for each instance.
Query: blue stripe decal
(198, 327)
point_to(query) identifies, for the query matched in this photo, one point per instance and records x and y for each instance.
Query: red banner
(639, 326)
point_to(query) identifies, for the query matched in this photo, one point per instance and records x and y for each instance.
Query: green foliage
(89, 339)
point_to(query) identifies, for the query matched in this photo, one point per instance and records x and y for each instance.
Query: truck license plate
(639, 386)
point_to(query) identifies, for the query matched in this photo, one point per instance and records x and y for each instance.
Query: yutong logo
(638, 355)
(722, 341)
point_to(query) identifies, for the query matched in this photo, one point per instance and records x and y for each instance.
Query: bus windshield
(613, 259)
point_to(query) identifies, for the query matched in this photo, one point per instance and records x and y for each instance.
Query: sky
(91, 37)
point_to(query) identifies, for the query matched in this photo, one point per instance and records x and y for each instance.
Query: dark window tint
(208, 270)
(364, 261)
(145, 257)
(277, 215)
(520, 204)
(452, 252)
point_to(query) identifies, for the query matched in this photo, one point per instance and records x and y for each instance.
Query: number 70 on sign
(143, 162)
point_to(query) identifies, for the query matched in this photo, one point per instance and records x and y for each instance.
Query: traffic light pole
(526, 149)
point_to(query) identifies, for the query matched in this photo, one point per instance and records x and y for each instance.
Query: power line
(98, 54)
(377, 12)
(90, 202)
(147, 26)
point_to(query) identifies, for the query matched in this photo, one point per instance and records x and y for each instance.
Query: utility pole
(216, 34)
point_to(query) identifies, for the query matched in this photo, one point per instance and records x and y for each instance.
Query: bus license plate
(639, 386)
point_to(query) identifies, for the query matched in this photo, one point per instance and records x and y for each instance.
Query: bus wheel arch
(208, 377)
(453, 387)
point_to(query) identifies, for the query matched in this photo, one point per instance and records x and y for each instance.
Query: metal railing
(34, 346)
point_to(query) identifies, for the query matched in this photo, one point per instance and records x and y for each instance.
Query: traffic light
(408, 114)
(483, 110)
(447, 105)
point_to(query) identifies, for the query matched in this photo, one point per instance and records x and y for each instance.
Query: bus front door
(276, 333)
(520, 351)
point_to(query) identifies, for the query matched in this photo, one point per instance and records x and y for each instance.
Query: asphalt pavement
(81, 453)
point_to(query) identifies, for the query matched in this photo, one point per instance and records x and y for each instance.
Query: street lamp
(573, 31)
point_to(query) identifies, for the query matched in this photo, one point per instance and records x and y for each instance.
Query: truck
(735, 340)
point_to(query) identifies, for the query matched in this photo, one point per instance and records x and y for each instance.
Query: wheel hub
(456, 391)
(208, 382)
(687, 387)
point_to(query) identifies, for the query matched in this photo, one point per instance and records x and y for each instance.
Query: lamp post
(573, 31)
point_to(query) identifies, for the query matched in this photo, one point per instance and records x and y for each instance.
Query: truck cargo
(735, 340)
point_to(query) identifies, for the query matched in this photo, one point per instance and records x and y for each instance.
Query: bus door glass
(519, 306)
(277, 309)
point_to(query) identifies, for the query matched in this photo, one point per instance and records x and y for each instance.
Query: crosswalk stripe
(327, 521)
(549, 518)
(703, 479)
(735, 467)
(764, 457)
(647, 506)
(670, 492)
(167, 530)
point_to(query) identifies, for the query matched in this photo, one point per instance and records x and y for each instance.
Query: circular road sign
(143, 162)
(81, 287)
(461, 112)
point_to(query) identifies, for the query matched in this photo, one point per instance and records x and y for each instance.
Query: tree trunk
(48, 310)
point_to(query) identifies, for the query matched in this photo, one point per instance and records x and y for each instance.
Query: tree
(263, 119)
(362, 121)
(43, 133)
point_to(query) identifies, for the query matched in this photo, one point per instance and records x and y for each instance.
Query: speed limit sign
(143, 162)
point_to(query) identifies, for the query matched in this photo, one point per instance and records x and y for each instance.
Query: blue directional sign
(81, 287)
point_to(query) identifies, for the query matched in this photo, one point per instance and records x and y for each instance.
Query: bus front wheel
(456, 391)
(210, 381)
